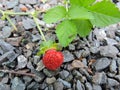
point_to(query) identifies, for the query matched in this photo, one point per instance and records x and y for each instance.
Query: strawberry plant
(80, 16)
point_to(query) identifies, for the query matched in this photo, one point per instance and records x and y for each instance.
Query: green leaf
(83, 27)
(66, 32)
(105, 13)
(55, 14)
(84, 3)
(77, 12)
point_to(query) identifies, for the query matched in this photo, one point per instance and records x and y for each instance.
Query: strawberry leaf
(78, 12)
(55, 14)
(105, 13)
(84, 3)
(66, 32)
(83, 27)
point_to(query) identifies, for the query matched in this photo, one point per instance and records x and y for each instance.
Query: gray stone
(22, 61)
(27, 79)
(36, 37)
(50, 80)
(49, 73)
(118, 61)
(33, 86)
(78, 53)
(86, 52)
(10, 55)
(117, 77)
(28, 23)
(65, 83)
(30, 1)
(71, 47)
(101, 64)
(100, 34)
(50, 36)
(96, 87)
(4, 86)
(2, 23)
(50, 87)
(109, 51)
(15, 41)
(79, 85)
(36, 59)
(6, 31)
(40, 66)
(17, 84)
(6, 46)
(64, 74)
(28, 53)
(11, 4)
(5, 80)
(68, 56)
(112, 82)
(113, 66)
(84, 72)
(43, 85)
(29, 65)
(111, 41)
(94, 50)
(99, 78)
(58, 86)
(118, 32)
(69, 78)
(39, 76)
(88, 86)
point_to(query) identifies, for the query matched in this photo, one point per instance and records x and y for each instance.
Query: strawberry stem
(35, 19)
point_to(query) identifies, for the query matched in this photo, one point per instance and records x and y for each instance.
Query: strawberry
(52, 59)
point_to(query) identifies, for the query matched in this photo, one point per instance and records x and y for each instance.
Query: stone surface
(112, 82)
(64, 74)
(22, 61)
(111, 41)
(78, 85)
(36, 37)
(33, 86)
(14, 41)
(50, 80)
(49, 73)
(40, 66)
(65, 83)
(106, 51)
(17, 84)
(10, 55)
(77, 64)
(28, 23)
(88, 86)
(96, 87)
(30, 1)
(6, 46)
(4, 86)
(6, 31)
(113, 66)
(99, 78)
(58, 86)
(68, 56)
(101, 64)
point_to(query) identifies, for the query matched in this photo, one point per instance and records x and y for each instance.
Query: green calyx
(46, 45)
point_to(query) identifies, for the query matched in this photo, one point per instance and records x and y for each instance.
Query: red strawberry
(52, 59)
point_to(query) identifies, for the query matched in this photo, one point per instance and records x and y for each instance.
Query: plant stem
(17, 13)
(35, 19)
(66, 5)
(9, 20)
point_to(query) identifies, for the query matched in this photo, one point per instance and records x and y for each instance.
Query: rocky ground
(91, 63)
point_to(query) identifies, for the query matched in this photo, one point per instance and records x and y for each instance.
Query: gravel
(91, 63)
